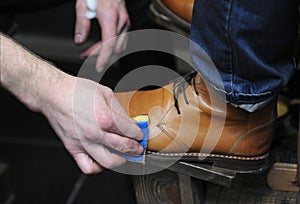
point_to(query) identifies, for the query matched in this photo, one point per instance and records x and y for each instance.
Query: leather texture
(201, 126)
(182, 8)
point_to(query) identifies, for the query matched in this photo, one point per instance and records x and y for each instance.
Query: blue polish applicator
(143, 122)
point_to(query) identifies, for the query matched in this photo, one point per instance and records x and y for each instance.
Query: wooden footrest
(283, 177)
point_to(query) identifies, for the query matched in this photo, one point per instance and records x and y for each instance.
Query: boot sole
(237, 164)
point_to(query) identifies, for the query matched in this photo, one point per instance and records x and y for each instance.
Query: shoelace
(180, 85)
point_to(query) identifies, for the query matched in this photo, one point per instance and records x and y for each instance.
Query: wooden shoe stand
(191, 183)
(186, 183)
(180, 183)
(286, 176)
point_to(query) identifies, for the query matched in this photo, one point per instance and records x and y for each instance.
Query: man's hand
(85, 115)
(113, 19)
(95, 122)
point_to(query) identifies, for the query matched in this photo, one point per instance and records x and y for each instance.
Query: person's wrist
(57, 93)
(31, 79)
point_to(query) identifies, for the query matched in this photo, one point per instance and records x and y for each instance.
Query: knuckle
(127, 147)
(90, 137)
(122, 148)
(105, 120)
(109, 12)
(108, 92)
(125, 18)
(88, 170)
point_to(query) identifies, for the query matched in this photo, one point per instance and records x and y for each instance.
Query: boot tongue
(180, 85)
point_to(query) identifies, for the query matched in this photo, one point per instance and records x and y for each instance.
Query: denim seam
(241, 94)
(229, 42)
(262, 95)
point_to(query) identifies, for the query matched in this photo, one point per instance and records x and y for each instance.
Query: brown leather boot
(173, 15)
(182, 8)
(190, 121)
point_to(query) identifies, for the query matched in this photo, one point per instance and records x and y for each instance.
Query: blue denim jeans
(251, 43)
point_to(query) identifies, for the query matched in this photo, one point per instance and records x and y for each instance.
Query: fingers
(100, 50)
(122, 144)
(113, 19)
(108, 20)
(103, 156)
(86, 164)
(124, 21)
(83, 24)
(91, 51)
(126, 126)
(114, 119)
(121, 43)
(98, 121)
(97, 159)
(110, 121)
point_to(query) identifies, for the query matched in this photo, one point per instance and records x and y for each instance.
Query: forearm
(46, 89)
(31, 79)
